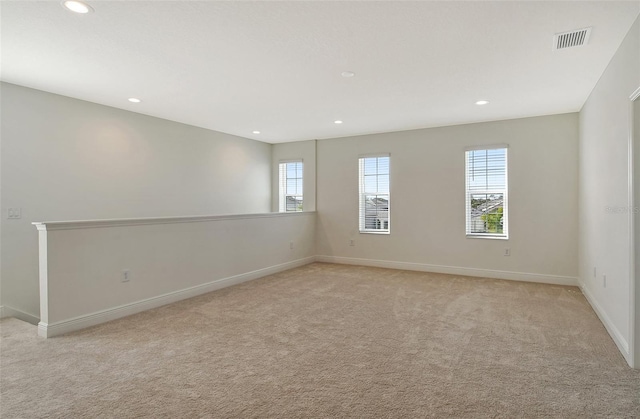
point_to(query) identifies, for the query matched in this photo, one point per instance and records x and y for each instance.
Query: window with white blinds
(290, 181)
(374, 194)
(486, 192)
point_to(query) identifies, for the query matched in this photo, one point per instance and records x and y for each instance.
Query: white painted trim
(373, 155)
(486, 147)
(634, 304)
(68, 225)
(81, 322)
(618, 339)
(296, 160)
(6, 311)
(453, 270)
(631, 215)
(43, 274)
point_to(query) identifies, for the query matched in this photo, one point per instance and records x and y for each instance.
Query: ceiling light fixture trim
(77, 6)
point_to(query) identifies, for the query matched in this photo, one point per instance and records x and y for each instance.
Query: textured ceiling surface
(276, 67)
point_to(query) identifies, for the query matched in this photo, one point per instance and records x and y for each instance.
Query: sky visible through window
(376, 175)
(487, 169)
(294, 178)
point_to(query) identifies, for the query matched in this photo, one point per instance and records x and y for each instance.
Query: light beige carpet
(331, 341)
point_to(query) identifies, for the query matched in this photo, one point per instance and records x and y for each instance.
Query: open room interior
(192, 180)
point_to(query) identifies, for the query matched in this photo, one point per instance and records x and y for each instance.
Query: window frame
(362, 196)
(282, 185)
(505, 193)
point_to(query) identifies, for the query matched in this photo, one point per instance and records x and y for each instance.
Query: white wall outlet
(507, 252)
(126, 275)
(352, 242)
(14, 213)
(604, 281)
(290, 245)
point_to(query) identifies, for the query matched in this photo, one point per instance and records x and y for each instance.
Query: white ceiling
(237, 67)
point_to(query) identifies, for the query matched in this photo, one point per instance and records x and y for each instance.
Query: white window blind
(290, 181)
(374, 194)
(486, 192)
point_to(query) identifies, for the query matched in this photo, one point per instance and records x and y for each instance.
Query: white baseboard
(615, 334)
(453, 270)
(6, 311)
(103, 316)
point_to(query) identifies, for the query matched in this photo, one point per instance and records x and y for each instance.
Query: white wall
(66, 159)
(168, 260)
(428, 204)
(604, 190)
(305, 150)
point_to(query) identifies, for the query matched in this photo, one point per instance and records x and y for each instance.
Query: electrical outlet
(507, 252)
(126, 275)
(290, 245)
(14, 213)
(604, 281)
(352, 242)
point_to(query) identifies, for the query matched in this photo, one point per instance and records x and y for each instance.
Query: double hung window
(374, 194)
(290, 181)
(486, 192)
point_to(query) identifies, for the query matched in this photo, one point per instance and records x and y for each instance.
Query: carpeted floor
(326, 341)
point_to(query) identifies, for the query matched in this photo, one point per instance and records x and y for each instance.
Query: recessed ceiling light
(348, 74)
(134, 100)
(482, 102)
(256, 132)
(77, 6)
(337, 122)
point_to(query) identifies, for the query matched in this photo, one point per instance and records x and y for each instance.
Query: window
(486, 192)
(290, 181)
(374, 194)
(291, 186)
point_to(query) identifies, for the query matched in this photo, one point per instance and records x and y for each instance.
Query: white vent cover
(576, 38)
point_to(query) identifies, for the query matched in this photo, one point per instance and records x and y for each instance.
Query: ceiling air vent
(576, 38)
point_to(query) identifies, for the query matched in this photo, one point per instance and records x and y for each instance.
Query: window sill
(482, 236)
(387, 232)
